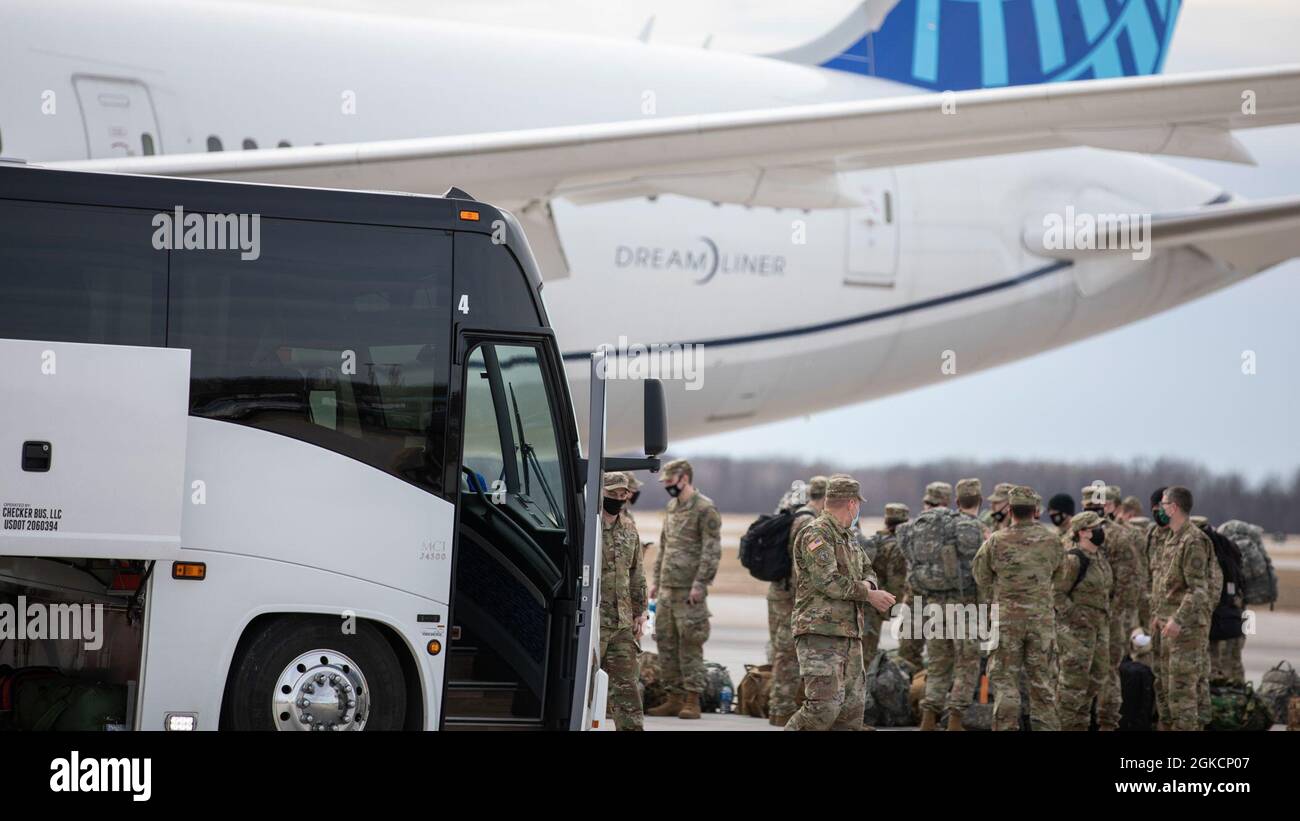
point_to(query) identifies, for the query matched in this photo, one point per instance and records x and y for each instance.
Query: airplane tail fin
(963, 44)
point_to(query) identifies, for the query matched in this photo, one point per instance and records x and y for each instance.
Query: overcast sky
(1181, 370)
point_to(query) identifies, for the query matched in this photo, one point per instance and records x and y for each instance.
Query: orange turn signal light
(434, 647)
(192, 571)
(472, 216)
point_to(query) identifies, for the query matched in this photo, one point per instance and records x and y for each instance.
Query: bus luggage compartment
(92, 450)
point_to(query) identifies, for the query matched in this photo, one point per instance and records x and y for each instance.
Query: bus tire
(305, 673)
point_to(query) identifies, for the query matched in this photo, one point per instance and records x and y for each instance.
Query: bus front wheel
(308, 674)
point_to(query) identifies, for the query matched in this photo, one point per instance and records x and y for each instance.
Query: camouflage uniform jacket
(1182, 575)
(622, 580)
(689, 545)
(783, 589)
(1094, 588)
(832, 579)
(1124, 555)
(890, 565)
(1017, 566)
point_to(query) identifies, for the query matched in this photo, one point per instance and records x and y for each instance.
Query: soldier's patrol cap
(897, 512)
(1022, 495)
(1113, 494)
(616, 481)
(969, 487)
(1000, 492)
(633, 482)
(1086, 520)
(1092, 495)
(938, 493)
(677, 466)
(817, 487)
(843, 486)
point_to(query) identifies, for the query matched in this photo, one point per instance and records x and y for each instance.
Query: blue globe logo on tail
(962, 44)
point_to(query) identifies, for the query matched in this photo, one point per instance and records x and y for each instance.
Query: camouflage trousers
(1026, 642)
(872, 625)
(953, 669)
(1225, 659)
(911, 649)
(785, 662)
(681, 628)
(1110, 700)
(1083, 655)
(1177, 667)
(835, 683)
(1203, 713)
(618, 658)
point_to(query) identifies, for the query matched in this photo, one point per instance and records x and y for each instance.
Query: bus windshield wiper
(530, 457)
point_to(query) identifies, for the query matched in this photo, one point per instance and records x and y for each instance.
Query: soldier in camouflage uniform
(780, 611)
(1083, 600)
(1130, 513)
(998, 517)
(1178, 596)
(890, 566)
(622, 603)
(833, 585)
(1018, 566)
(1122, 553)
(1156, 534)
(940, 546)
(1213, 589)
(685, 564)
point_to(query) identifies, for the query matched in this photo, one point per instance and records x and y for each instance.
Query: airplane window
(249, 144)
(283, 144)
(214, 143)
(889, 209)
(146, 144)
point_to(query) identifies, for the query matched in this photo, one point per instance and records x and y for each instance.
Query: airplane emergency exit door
(119, 117)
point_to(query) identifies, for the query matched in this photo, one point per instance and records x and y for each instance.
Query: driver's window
(510, 441)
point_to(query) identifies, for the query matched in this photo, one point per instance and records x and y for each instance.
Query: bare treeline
(755, 485)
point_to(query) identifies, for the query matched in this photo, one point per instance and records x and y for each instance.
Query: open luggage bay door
(92, 449)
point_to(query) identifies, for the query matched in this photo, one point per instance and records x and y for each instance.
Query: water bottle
(649, 627)
(726, 699)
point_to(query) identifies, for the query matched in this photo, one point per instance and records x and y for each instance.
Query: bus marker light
(435, 647)
(471, 216)
(192, 571)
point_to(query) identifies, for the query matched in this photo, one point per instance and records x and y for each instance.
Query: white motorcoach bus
(311, 452)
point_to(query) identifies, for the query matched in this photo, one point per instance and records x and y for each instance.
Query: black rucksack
(1225, 623)
(765, 547)
(1137, 687)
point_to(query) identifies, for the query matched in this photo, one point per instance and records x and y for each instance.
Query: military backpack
(1278, 686)
(765, 547)
(1235, 705)
(1258, 578)
(936, 550)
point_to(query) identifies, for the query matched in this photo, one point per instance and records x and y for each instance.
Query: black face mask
(1111, 516)
(999, 515)
(1057, 517)
(612, 505)
(1161, 517)
(673, 490)
(1098, 537)
(632, 499)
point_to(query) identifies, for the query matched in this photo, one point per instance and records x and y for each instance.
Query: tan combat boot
(690, 706)
(671, 707)
(954, 721)
(779, 720)
(929, 719)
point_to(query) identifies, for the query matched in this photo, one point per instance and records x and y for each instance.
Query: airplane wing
(782, 157)
(1247, 236)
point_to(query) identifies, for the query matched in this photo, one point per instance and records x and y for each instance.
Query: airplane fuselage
(796, 311)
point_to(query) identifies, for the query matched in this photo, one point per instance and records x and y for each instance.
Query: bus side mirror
(656, 418)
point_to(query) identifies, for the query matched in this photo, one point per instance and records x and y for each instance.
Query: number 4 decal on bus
(464, 304)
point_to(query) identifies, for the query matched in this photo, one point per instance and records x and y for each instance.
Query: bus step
(480, 723)
(481, 698)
